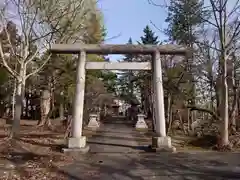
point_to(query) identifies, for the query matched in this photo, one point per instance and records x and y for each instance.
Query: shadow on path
(118, 156)
(143, 148)
(158, 166)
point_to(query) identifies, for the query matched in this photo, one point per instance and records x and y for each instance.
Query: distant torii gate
(77, 141)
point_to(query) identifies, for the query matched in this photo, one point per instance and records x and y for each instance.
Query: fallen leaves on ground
(36, 154)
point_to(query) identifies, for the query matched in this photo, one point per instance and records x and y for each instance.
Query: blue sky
(127, 18)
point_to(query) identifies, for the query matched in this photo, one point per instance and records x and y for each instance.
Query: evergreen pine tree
(126, 78)
(149, 36)
(145, 77)
(184, 18)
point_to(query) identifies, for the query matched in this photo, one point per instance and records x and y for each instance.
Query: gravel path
(115, 155)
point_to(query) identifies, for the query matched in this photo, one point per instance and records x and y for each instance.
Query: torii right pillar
(160, 142)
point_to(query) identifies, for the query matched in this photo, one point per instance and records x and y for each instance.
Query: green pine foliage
(184, 17)
(149, 37)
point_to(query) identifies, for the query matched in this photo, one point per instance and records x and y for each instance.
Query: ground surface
(117, 153)
(36, 154)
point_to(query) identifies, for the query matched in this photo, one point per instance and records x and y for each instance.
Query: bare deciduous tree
(39, 24)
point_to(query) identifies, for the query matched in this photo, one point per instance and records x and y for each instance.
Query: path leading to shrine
(116, 155)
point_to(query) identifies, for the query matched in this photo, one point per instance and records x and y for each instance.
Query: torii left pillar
(78, 142)
(161, 141)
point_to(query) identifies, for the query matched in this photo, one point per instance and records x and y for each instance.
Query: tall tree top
(130, 41)
(129, 57)
(149, 36)
(184, 16)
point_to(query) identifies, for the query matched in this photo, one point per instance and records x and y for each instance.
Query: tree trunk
(14, 98)
(233, 112)
(169, 112)
(189, 121)
(224, 103)
(61, 111)
(20, 90)
(217, 88)
(238, 111)
(52, 106)
(182, 123)
(18, 110)
(27, 104)
(61, 106)
(45, 105)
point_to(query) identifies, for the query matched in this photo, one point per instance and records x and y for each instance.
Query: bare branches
(39, 68)
(41, 23)
(152, 2)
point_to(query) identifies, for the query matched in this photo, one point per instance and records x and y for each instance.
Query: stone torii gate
(78, 142)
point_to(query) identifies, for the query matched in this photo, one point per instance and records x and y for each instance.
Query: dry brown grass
(36, 154)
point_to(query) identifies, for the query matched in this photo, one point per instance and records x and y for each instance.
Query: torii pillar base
(77, 145)
(162, 144)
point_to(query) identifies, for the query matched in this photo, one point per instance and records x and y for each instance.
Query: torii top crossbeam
(169, 49)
